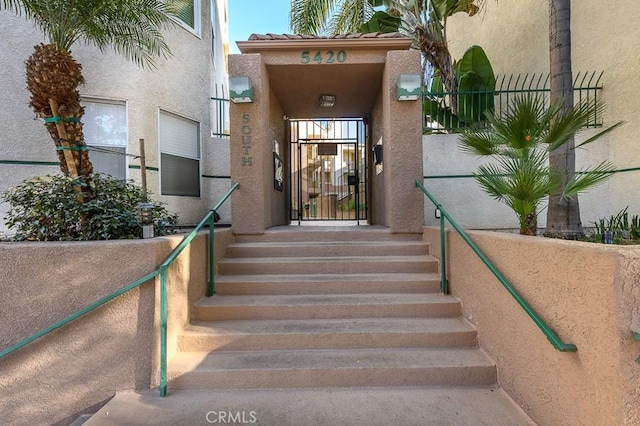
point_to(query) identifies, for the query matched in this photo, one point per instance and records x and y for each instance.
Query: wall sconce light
(327, 101)
(409, 87)
(240, 90)
(145, 215)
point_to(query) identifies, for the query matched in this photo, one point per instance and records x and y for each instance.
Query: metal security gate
(328, 170)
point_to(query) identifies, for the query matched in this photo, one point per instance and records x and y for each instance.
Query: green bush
(46, 209)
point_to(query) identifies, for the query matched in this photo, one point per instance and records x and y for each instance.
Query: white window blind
(179, 136)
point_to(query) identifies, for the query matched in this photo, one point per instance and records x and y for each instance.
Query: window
(179, 155)
(188, 13)
(105, 132)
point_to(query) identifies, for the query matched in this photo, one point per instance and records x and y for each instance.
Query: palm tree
(563, 216)
(130, 27)
(520, 141)
(424, 20)
(316, 17)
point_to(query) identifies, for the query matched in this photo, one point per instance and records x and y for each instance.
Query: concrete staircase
(327, 326)
(304, 309)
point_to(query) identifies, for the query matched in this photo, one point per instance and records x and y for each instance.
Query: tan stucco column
(250, 157)
(404, 204)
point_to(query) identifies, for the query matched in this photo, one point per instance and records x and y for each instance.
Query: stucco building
(170, 108)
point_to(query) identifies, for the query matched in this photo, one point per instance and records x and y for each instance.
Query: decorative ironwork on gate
(328, 166)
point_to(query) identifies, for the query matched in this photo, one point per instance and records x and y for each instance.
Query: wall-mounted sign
(327, 149)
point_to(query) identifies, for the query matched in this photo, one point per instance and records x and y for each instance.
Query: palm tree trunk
(53, 77)
(530, 225)
(436, 52)
(563, 216)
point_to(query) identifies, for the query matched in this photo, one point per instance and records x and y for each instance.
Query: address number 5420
(328, 57)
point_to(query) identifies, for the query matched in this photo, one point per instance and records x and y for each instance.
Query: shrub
(623, 230)
(46, 209)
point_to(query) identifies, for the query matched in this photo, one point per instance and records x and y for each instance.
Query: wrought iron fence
(438, 117)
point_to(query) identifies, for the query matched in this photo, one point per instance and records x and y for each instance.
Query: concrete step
(406, 406)
(327, 283)
(327, 248)
(203, 336)
(331, 265)
(221, 307)
(330, 368)
(327, 233)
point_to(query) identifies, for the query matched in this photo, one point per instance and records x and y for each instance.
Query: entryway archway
(291, 81)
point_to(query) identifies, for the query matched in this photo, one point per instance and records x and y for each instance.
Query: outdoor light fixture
(327, 101)
(240, 90)
(145, 215)
(409, 87)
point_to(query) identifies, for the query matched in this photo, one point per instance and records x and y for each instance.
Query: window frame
(162, 151)
(197, 20)
(109, 101)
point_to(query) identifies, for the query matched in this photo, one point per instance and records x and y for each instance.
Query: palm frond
(350, 16)
(310, 17)
(523, 208)
(131, 27)
(564, 126)
(480, 142)
(587, 178)
(601, 133)
(493, 181)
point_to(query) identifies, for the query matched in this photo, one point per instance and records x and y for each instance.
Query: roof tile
(270, 36)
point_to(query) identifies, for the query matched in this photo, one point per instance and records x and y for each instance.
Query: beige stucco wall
(605, 37)
(249, 136)
(113, 348)
(402, 127)
(590, 296)
(181, 84)
(376, 181)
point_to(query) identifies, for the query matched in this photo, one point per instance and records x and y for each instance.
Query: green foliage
(351, 205)
(623, 231)
(47, 209)
(131, 27)
(381, 22)
(476, 84)
(520, 142)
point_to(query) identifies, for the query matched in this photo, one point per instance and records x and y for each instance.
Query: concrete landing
(472, 406)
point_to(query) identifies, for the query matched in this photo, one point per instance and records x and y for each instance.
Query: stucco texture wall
(402, 125)
(249, 141)
(588, 293)
(605, 37)
(113, 348)
(377, 201)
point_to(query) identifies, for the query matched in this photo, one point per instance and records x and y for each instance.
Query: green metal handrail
(162, 271)
(544, 327)
(210, 219)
